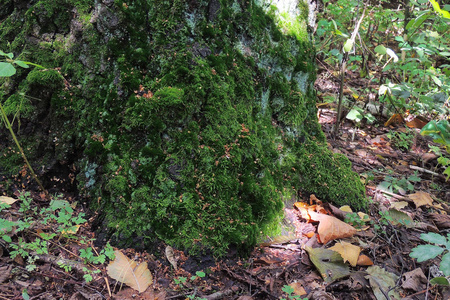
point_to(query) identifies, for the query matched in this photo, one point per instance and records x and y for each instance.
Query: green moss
(193, 131)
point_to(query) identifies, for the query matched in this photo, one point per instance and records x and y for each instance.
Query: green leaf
(425, 252)
(447, 172)
(21, 64)
(7, 238)
(434, 238)
(380, 49)
(348, 45)
(417, 21)
(445, 264)
(7, 69)
(355, 115)
(25, 295)
(200, 274)
(440, 281)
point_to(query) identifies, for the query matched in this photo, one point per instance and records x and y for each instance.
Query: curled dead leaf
(170, 257)
(364, 260)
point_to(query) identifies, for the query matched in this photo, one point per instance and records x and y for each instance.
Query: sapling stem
(9, 126)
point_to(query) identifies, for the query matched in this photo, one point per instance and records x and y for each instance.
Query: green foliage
(289, 291)
(60, 223)
(413, 48)
(402, 185)
(438, 244)
(401, 140)
(440, 132)
(183, 283)
(355, 220)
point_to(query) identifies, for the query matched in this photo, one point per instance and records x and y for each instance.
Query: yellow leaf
(126, 271)
(348, 252)
(72, 230)
(399, 205)
(346, 208)
(7, 200)
(421, 198)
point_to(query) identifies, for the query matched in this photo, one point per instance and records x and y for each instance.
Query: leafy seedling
(438, 244)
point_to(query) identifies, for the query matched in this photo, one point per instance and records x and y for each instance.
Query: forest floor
(408, 196)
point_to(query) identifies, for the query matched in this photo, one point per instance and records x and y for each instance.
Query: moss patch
(188, 121)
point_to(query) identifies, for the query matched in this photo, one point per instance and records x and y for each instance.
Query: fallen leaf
(441, 221)
(5, 271)
(364, 260)
(399, 205)
(421, 198)
(7, 200)
(398, 217)
(394, 119)
(298, 288)
(71, 230)
(417, 122)
(245, 298)
(414, 280)
(328, 262)
(348, 252)
(170, 257)
(331, 228)
(346, 208)
(126, 271)
(382, 281)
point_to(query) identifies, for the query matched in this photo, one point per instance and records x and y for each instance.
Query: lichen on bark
(188, 121)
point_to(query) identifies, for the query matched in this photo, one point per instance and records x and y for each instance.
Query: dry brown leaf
(421, 198)
(418, 122)
(364, 260)
(126, 271)
(441, 221)
(414, 280)
(7, 200)
(170, 257)
(331, 228)
(4, 273)
(394, 120)
(348, 252)
(298, 288)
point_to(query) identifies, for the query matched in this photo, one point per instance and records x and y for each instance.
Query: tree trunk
(189, 121)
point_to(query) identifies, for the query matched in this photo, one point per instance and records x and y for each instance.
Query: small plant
(182, 281)
(401, 140)
(429, 251)
(289, 290)
(440, 132)
(355, 220)
(7, 69)
(55, 222)
(392, 184)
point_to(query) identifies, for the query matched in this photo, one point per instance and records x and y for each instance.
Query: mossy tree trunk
(189, 121)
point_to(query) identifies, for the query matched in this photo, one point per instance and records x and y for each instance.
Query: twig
(343, 69)
(219, 295)
(424, 170)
